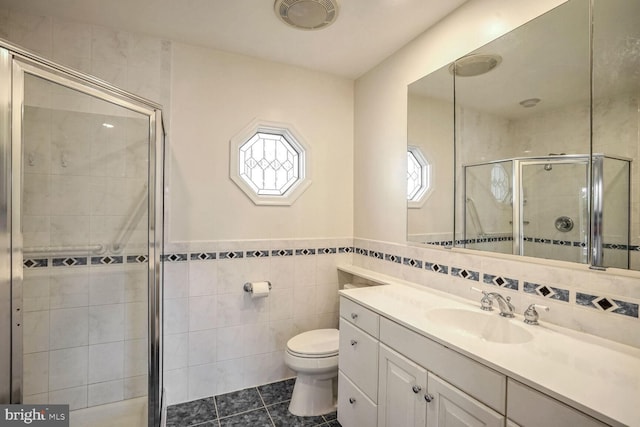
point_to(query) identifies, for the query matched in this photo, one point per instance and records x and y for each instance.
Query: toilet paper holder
(248, 287)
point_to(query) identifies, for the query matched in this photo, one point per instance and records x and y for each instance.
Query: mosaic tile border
(602, 303)
(460, 242)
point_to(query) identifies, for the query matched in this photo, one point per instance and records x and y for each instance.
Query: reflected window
(418, 176)
(500, 184)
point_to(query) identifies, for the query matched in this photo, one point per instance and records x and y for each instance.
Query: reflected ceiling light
(475, 65)
(531, 102)
(307, 14)
(107, 125)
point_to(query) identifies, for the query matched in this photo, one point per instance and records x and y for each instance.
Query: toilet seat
(316, 344)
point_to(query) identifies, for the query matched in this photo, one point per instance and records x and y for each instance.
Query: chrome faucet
(506, 308)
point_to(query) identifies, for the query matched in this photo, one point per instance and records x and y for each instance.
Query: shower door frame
(14, 62)
(518, 202)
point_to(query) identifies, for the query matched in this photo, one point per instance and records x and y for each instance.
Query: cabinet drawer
(358, 358)
(354, 408)
(529, 408)
(475, 379)
(363, 318)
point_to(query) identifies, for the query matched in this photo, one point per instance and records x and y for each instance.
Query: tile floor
(265, 405)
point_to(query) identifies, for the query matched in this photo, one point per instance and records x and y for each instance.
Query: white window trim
(289, 132)
(428, 175)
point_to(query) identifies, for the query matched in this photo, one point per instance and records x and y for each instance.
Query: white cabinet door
(451, 407)
(402, 386)
(355, 409)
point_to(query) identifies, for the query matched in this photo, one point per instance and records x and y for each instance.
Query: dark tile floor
(266, 405)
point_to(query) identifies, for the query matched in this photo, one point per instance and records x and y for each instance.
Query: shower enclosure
(539, 206)
(80, 231)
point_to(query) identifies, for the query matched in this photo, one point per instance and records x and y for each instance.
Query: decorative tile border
(465, 274)
(305, 251)
(500, 281)
(35, 262)
(436, 268)
(202, 256)
(604, 304)
(257, 254)
(69, 262)
(546, 291)
(174, 257)
(231, 255)
(607, 304)
(106, 260)
(282, 252)
(393, 258)
(412, 262)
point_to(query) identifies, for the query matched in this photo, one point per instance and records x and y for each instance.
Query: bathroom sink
(486, 326)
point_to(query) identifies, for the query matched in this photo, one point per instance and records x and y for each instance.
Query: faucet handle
(531, 314)
(486, 303)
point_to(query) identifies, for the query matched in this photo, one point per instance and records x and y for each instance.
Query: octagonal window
(268, 162)
(418, 177)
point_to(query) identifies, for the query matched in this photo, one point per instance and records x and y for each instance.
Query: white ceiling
(365, 33)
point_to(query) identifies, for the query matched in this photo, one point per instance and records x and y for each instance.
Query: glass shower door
(554, 204)
(83, 173)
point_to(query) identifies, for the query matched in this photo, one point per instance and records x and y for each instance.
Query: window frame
(297, 143)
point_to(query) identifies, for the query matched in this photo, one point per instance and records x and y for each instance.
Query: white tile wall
(225, 340)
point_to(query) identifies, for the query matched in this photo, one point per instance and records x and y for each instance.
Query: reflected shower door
(83, 219)
(488, 207)
(555, 209)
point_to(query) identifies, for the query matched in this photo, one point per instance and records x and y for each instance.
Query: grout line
(264, 405)
(215, 405)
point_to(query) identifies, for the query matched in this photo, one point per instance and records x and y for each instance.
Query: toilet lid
(319, 343)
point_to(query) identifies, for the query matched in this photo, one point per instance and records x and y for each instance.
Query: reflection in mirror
(525, 122)
(430, 130)
(616, 125)
(544, 143)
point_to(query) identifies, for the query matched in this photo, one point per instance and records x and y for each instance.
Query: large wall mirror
(533, 140)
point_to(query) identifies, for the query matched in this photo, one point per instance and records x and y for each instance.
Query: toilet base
(313, 395)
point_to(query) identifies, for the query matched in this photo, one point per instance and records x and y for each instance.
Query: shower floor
(127, 413)
(265, 405)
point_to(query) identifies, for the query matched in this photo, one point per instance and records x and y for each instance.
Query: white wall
(381, 107)
(215, 95)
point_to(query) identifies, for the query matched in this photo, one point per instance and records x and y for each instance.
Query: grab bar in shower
(131, 223)
(96, 249)
(475, 218)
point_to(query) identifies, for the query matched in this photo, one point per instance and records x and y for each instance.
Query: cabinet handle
(416, 389)
(352, 400)
(428, 397)
(354, 342)
(354, 316)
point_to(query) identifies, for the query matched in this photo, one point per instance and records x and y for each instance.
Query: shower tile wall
(217, 338)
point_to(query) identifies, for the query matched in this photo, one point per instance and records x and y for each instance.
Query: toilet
(313, 355)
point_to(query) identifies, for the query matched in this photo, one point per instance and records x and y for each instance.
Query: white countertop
(594, 375)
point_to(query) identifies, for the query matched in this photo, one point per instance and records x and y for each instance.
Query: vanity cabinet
(528, 407)
(410, 396)
(392, 376)
(402, 390)
(358, 366)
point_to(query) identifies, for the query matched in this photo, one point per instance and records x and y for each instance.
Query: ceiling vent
(474, 65)
(307, 14)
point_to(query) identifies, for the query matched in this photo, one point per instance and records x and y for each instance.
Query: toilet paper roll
(260, 289)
